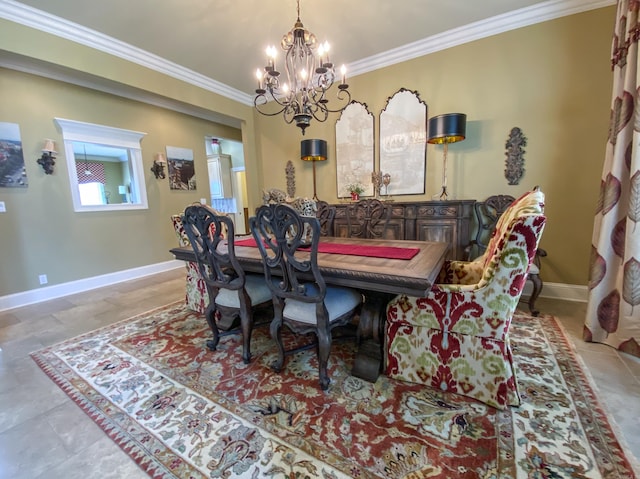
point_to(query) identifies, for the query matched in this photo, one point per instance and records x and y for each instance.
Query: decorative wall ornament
(354, 149)
(290, 173)
(515, 156)
(403, 136)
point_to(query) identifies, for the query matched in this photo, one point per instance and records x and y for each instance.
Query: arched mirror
(104, 165)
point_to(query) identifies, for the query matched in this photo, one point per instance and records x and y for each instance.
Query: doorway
(229, 156)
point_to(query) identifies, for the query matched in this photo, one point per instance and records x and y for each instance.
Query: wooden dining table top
(413, 277)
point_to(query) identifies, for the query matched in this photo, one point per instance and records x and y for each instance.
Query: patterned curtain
(613, 311)
(90, 172)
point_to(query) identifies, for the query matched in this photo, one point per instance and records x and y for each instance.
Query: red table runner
(390, 252)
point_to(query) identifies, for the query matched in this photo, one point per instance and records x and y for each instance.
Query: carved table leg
(368, 361)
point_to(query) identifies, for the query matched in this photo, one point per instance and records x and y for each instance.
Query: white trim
(40, 20)
(523, 17)
(541, 12)
(567, 292)
(73, 130)
(108, 136)
(72, 287)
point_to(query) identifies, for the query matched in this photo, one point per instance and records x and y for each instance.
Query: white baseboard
(72, 287)
(568, 292)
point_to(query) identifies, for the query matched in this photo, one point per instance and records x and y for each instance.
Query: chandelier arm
(259, 105)
(344, 96)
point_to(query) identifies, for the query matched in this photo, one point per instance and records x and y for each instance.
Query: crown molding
(39, 20)
(523, 17)
(552, 9)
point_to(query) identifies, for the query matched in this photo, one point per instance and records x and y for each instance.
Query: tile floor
(43, 434)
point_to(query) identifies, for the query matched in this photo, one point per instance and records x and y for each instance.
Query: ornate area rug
(182, 411)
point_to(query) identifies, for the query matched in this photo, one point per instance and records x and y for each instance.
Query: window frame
(73, 131)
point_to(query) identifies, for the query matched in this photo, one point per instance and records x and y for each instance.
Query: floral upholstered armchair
(457, 337)
(196, 296)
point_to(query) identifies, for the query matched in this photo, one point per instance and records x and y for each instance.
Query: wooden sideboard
(449, 221)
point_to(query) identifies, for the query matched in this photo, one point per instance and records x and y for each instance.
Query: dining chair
(196, 296)
(302, 300)
(325, 213)
(367, 218)
(488, 213)
(234, 296)
(456, 338)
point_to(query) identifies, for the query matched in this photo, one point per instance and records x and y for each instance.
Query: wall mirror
(354, 149)
(403, 137)
(104, 165)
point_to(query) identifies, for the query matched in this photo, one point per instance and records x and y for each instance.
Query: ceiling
(223, 41)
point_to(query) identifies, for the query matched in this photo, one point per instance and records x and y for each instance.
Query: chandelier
(310, 74)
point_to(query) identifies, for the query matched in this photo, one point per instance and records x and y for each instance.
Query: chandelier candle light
(310, 74)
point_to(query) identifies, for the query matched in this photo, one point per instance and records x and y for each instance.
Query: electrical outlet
(203, 201)
(43, 279)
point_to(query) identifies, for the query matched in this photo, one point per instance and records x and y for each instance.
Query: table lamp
(445, 129)
(313, 150)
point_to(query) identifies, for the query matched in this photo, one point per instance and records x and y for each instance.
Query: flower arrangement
(356, 188)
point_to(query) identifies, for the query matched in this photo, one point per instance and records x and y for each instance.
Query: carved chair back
(368, 218)
(488, 214)
(287, 254)
(217, 263)
(326, 214)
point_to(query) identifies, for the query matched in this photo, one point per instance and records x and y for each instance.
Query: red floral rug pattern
(182, 411)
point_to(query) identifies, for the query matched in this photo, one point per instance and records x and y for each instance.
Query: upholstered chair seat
(256, 288)
(338, 301)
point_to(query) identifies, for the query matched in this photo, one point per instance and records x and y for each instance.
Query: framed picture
(13, 173)
(354, 149)
(182, 174)
(403, 149)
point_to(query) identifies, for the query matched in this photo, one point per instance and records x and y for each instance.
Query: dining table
(379, 269)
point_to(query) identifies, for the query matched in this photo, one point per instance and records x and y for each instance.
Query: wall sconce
(159, 161)
(47, 160)
(445, 129)
(313, 150)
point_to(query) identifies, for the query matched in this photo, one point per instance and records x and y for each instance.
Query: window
(105, 166)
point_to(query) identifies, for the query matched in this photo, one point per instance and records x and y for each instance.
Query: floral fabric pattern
(182, 411)
(456, 338)
(196, 296)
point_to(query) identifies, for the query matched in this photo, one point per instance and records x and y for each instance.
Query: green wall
(41, 234)
(552, 80)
